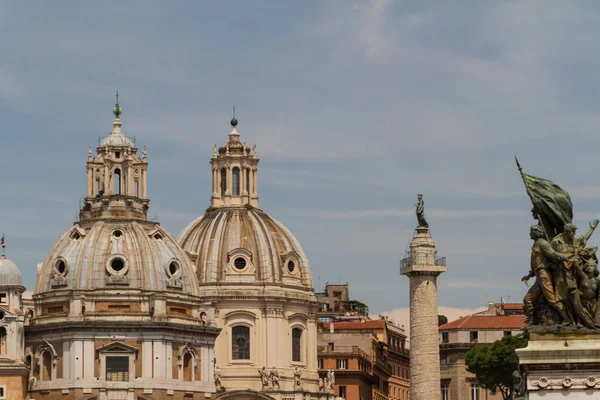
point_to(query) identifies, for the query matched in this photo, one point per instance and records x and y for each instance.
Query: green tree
(442, 319)
(493, 365)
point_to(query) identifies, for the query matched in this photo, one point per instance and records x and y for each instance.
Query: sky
(355, 108)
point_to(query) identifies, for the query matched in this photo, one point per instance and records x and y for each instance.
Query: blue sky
(355, 108)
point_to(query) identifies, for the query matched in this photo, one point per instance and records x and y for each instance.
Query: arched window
(117, 181)
(297, 344)
(2, 341)
(46, 366)
(235, 181)
(188, 367)
(240, 343)
(223, 181)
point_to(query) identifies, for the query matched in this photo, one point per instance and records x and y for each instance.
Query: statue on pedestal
(297, 378)
(421, 212)
(567, 289)
(217, 376)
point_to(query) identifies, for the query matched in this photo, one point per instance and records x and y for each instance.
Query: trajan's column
(422, 268)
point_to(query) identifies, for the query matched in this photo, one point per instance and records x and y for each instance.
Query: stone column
(422, 271)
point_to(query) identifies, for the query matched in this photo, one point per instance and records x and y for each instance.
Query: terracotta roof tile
(377, 324)
(487, 322)
(513, 306)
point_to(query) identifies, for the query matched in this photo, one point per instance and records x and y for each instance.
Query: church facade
(123, 310)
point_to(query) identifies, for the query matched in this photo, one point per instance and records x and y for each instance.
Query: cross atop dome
(234, 168)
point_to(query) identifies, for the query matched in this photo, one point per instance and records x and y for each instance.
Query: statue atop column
(566, 293)
(420, 211)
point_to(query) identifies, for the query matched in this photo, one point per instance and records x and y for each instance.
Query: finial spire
(234, 121)
(117, 110)
(3, 246)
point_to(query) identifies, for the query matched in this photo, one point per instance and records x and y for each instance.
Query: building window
(341, 363)
(235, 181)
(445, 391)
(248, 180)
(474, 391)
(223, 181)
(445, 337)
(331, 346)
(473, 336)
(188, 367)
(3, 394)
(117, 369)
(240, 343)
(507, 333)
(342, 392)
(297, 344)
(320, 363)
(3, 298)
(117, 181)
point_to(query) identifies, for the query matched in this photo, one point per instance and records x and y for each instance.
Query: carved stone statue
(321, 385)
(274, 375)
(330, 380)
(421, 212)
(217, 376)
(264, 377)
(518, 385)
(297, 378)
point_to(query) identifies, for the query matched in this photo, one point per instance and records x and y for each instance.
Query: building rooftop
(487, 322)
(366, 324)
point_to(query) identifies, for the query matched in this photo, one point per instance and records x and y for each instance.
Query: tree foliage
(493, 365)
(442, 319)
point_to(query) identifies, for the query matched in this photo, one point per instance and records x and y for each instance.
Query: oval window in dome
(117, 233)
(117, 264)
(61, 267)
(240, 263)
(174, 268)
(291, 266)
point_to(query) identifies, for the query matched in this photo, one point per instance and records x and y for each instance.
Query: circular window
(117, 264)
(291, 266)
(240, 263)
(1, 315)
(117, 233)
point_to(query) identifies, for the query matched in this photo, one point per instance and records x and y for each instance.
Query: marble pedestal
(562, 365)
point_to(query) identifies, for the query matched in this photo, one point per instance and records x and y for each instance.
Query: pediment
(117, 347)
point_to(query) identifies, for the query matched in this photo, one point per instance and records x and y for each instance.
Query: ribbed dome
(116, 254)
(245, 245)
(117, 139)
(9, 273)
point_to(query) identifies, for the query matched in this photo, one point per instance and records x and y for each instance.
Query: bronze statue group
(566, 291)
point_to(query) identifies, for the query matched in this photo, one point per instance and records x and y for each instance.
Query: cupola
(116, 177)
(234, 172)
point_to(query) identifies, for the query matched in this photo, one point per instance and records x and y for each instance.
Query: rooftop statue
(567, 289)
(421, 212)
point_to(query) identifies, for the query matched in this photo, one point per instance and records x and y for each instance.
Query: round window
(174, 268)
(117, 264)
(291, 266)
(117, 233)
(1, 315)
(240, 263)
(61, 267)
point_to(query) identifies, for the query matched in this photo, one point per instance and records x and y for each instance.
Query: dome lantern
(234, 172)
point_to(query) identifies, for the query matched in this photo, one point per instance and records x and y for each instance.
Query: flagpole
(531, 198)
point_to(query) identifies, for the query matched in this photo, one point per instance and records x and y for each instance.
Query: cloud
(441, 213)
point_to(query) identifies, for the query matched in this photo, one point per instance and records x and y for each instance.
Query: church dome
(113, 254)
(117, 139)
(243, 245)
(9, 273)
